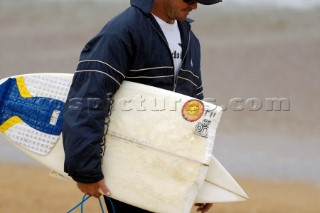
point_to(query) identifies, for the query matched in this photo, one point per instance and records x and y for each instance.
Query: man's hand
(93, 188)
(203, 207)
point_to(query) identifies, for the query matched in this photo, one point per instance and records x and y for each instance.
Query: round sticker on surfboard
(192, 110)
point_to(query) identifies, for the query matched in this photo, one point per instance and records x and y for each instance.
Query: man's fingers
(104, 188)
(96, 194)
(89, 189)
(94, 189)
(203, 207)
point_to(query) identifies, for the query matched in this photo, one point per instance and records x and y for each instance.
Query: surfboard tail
(220, 186)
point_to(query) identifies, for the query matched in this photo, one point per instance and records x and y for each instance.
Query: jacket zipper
(176, 81)
(165, 41)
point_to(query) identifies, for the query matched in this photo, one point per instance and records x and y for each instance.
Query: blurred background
(251, 51)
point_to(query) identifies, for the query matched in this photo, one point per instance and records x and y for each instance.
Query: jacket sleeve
(101, 70)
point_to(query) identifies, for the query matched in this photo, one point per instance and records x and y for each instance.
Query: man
(150, 43)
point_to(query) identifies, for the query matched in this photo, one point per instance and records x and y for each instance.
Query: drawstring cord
(85, 198)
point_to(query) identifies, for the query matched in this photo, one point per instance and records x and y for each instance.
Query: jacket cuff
(91, 179)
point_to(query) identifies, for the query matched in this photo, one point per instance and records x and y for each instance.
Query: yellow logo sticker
(192, 110)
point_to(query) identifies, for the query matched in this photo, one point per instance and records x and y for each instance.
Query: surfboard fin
(220, 186)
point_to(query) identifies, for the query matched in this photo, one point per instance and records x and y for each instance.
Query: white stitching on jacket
(104, 64)
(151, 68)
(188, 80)
(163, 76)
(100, 72)
(190, 72)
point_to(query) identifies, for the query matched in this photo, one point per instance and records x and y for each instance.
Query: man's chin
(182, 18)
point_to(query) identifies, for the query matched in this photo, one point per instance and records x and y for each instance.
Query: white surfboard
(159, 143)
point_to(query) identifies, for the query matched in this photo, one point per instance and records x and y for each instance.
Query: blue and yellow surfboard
(31, 111)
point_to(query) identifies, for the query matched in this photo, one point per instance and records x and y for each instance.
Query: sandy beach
(247, 53)
(29, 189)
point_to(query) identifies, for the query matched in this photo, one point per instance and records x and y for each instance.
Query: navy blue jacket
(130, 47)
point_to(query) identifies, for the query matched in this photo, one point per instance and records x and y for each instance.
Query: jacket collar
(144, 5)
